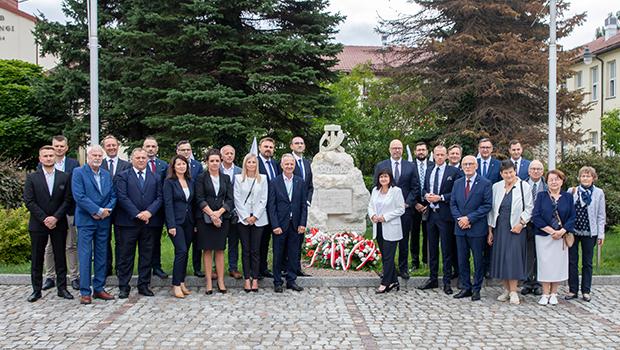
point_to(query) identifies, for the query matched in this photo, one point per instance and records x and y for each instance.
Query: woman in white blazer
(590, 221)
(250, 194)
(384, 210)
(512, 210)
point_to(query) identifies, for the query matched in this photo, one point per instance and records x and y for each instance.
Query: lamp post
(93, 44)
(587, 60)
(552, 84)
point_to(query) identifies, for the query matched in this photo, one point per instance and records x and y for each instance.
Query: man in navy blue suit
(158, 167)
(139, 197)
(288, 211)
(488, 167)
(303, 169)
(470, 203)
(437, 192)
(521, 164)
(94, 198)
(403, 173)
(268, 166)
(420, 208)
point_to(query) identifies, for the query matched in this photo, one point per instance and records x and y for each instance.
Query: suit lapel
(91, 175)
(474, 186)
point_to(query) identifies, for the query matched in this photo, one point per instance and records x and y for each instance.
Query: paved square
(317, 318)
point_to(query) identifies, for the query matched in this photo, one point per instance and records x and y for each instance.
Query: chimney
(611, 26)
(9, 3)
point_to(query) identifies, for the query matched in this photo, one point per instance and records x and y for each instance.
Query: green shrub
(11, 184)
(14, 236)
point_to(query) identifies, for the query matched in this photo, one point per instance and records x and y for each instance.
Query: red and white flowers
(341, 251)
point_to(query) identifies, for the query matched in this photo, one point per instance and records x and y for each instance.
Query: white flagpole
(93, 44)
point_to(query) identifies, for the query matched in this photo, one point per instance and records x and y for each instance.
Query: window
(594, 138)
(611, 68)
(594, 80)
(579, 80)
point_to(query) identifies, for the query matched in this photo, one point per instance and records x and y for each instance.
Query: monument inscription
(335, 201)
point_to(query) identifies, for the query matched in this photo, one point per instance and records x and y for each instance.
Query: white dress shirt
(114, 164)
(49, 178)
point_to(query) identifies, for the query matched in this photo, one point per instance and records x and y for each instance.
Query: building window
(579, 80)
(594, 80)
(594, 138)
(611, 68)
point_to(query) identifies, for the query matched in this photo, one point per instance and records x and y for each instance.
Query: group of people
(74, 210)
(518, 225)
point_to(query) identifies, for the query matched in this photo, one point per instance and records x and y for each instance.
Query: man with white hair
(536, 170)
(94, 198)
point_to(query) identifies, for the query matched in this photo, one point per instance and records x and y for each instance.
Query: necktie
(534, 191)
(516, 163)
(141, 179)
(301, 169)
(111, 167)
(484, 168)
(153, 167)
(467, 188)
(422, 175)
(436, 181)
(396, 172)
(271, 172)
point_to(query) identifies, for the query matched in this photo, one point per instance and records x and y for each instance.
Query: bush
(11, 184)
(14, 236)
(607, 169)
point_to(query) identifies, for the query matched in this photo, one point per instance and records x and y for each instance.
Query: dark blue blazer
(121, 166)
(450, 175)
(161, 167)
(407, 180)
(492, 172)
(177, 208)
(88, 198)
(282, 210)
(308, 180)
(263, 170)
(196, 169)
(523, 169)
(542, 215)
(418, 199)
(476, 207)
(131, 200)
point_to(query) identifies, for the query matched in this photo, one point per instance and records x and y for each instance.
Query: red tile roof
(11, 6)
(599, 46)
(379, 59)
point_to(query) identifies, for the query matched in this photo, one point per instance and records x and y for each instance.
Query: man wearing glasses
(538, 185)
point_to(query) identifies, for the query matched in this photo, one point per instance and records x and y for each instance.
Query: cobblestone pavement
(326, 318)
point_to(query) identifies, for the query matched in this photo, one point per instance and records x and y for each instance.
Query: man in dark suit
(488, 167)
(47, 195)
(114, 165)
(158, 167)
(94, 198)
(537, 184)
(288, 211)
(268, 166)
(420, 207)
(437, 191)
(470, 203)
(184, 148)
(403, 173)
(303, 169)
(139, 197)
(455, 153)
(66, 165)
(229, 168)
(521, 164)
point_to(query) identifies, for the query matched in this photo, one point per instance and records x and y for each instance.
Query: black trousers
(110, 259)
(264, 248)
(403, 244)
(38, 241)
(196, 252)
(250, 237)
(233, 247)
(587, 254)
(388, 253)
(181, 241)
(530, 264)
(156, 255)
(129, 237)
(440, 230)
(416, 223)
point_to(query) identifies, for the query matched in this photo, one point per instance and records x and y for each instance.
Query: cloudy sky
(363, 16)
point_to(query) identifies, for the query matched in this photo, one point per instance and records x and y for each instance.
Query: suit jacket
(88, 198)
(542, 215)
(131, 199)
(523, 169)
(392, 208)
(41, 204)
(237, 170)
(70, 164)
(256, 203)
(263, 170)
(282, 210)
(517, 211)
(196, 169)
(121, 166)
(475, 207)
(308, 178)
(596, 211)
(177, 207)
(407, 180)
(493, 171)
(450, 175)
(418, 199)
(161, 166)
(205, 195)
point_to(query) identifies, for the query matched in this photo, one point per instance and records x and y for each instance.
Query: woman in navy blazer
(178, 193)
(553, 217)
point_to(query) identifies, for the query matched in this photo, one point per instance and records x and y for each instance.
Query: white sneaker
(504, 296)
(544, 300)
(553, 299)
(514, 298)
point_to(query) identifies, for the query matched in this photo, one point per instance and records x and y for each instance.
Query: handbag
(568, 239)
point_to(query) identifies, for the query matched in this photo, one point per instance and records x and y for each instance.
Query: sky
(363, 17)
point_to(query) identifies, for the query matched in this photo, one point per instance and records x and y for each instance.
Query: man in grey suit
(229, 168)
(537, 183)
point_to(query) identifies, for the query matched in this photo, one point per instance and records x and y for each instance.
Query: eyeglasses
(467, 164)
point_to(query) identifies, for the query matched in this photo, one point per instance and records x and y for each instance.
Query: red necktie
(467, 189)
(153, 168)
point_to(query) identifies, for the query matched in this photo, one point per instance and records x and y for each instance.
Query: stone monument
(340, 200)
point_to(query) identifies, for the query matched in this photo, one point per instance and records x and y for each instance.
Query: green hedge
(11, 183)
(14, 236)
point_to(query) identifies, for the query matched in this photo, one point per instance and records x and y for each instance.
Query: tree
(213, 72)
(610, 125)
(483, 64)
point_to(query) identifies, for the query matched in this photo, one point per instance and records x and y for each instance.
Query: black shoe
(199, 273)
(123, 294)
(64, 293)
(475, 296)
(526, 290)
(302, 274)
(404, 275)
(430, 284)
(266, 274)
(464, 293)
(160, 273)
(48, 284)
(294, 287)
(447, 289)
(278, 289)
(571, 296)
(146, 292)
(75, 284)
(34, 297)
(537, 291)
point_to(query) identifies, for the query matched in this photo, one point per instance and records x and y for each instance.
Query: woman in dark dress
(214, 197)
(512, 210)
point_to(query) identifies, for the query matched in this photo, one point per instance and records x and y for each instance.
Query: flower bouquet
(340, 251)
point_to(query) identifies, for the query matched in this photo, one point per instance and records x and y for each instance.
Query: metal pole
(552, 84)
(93, 44)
